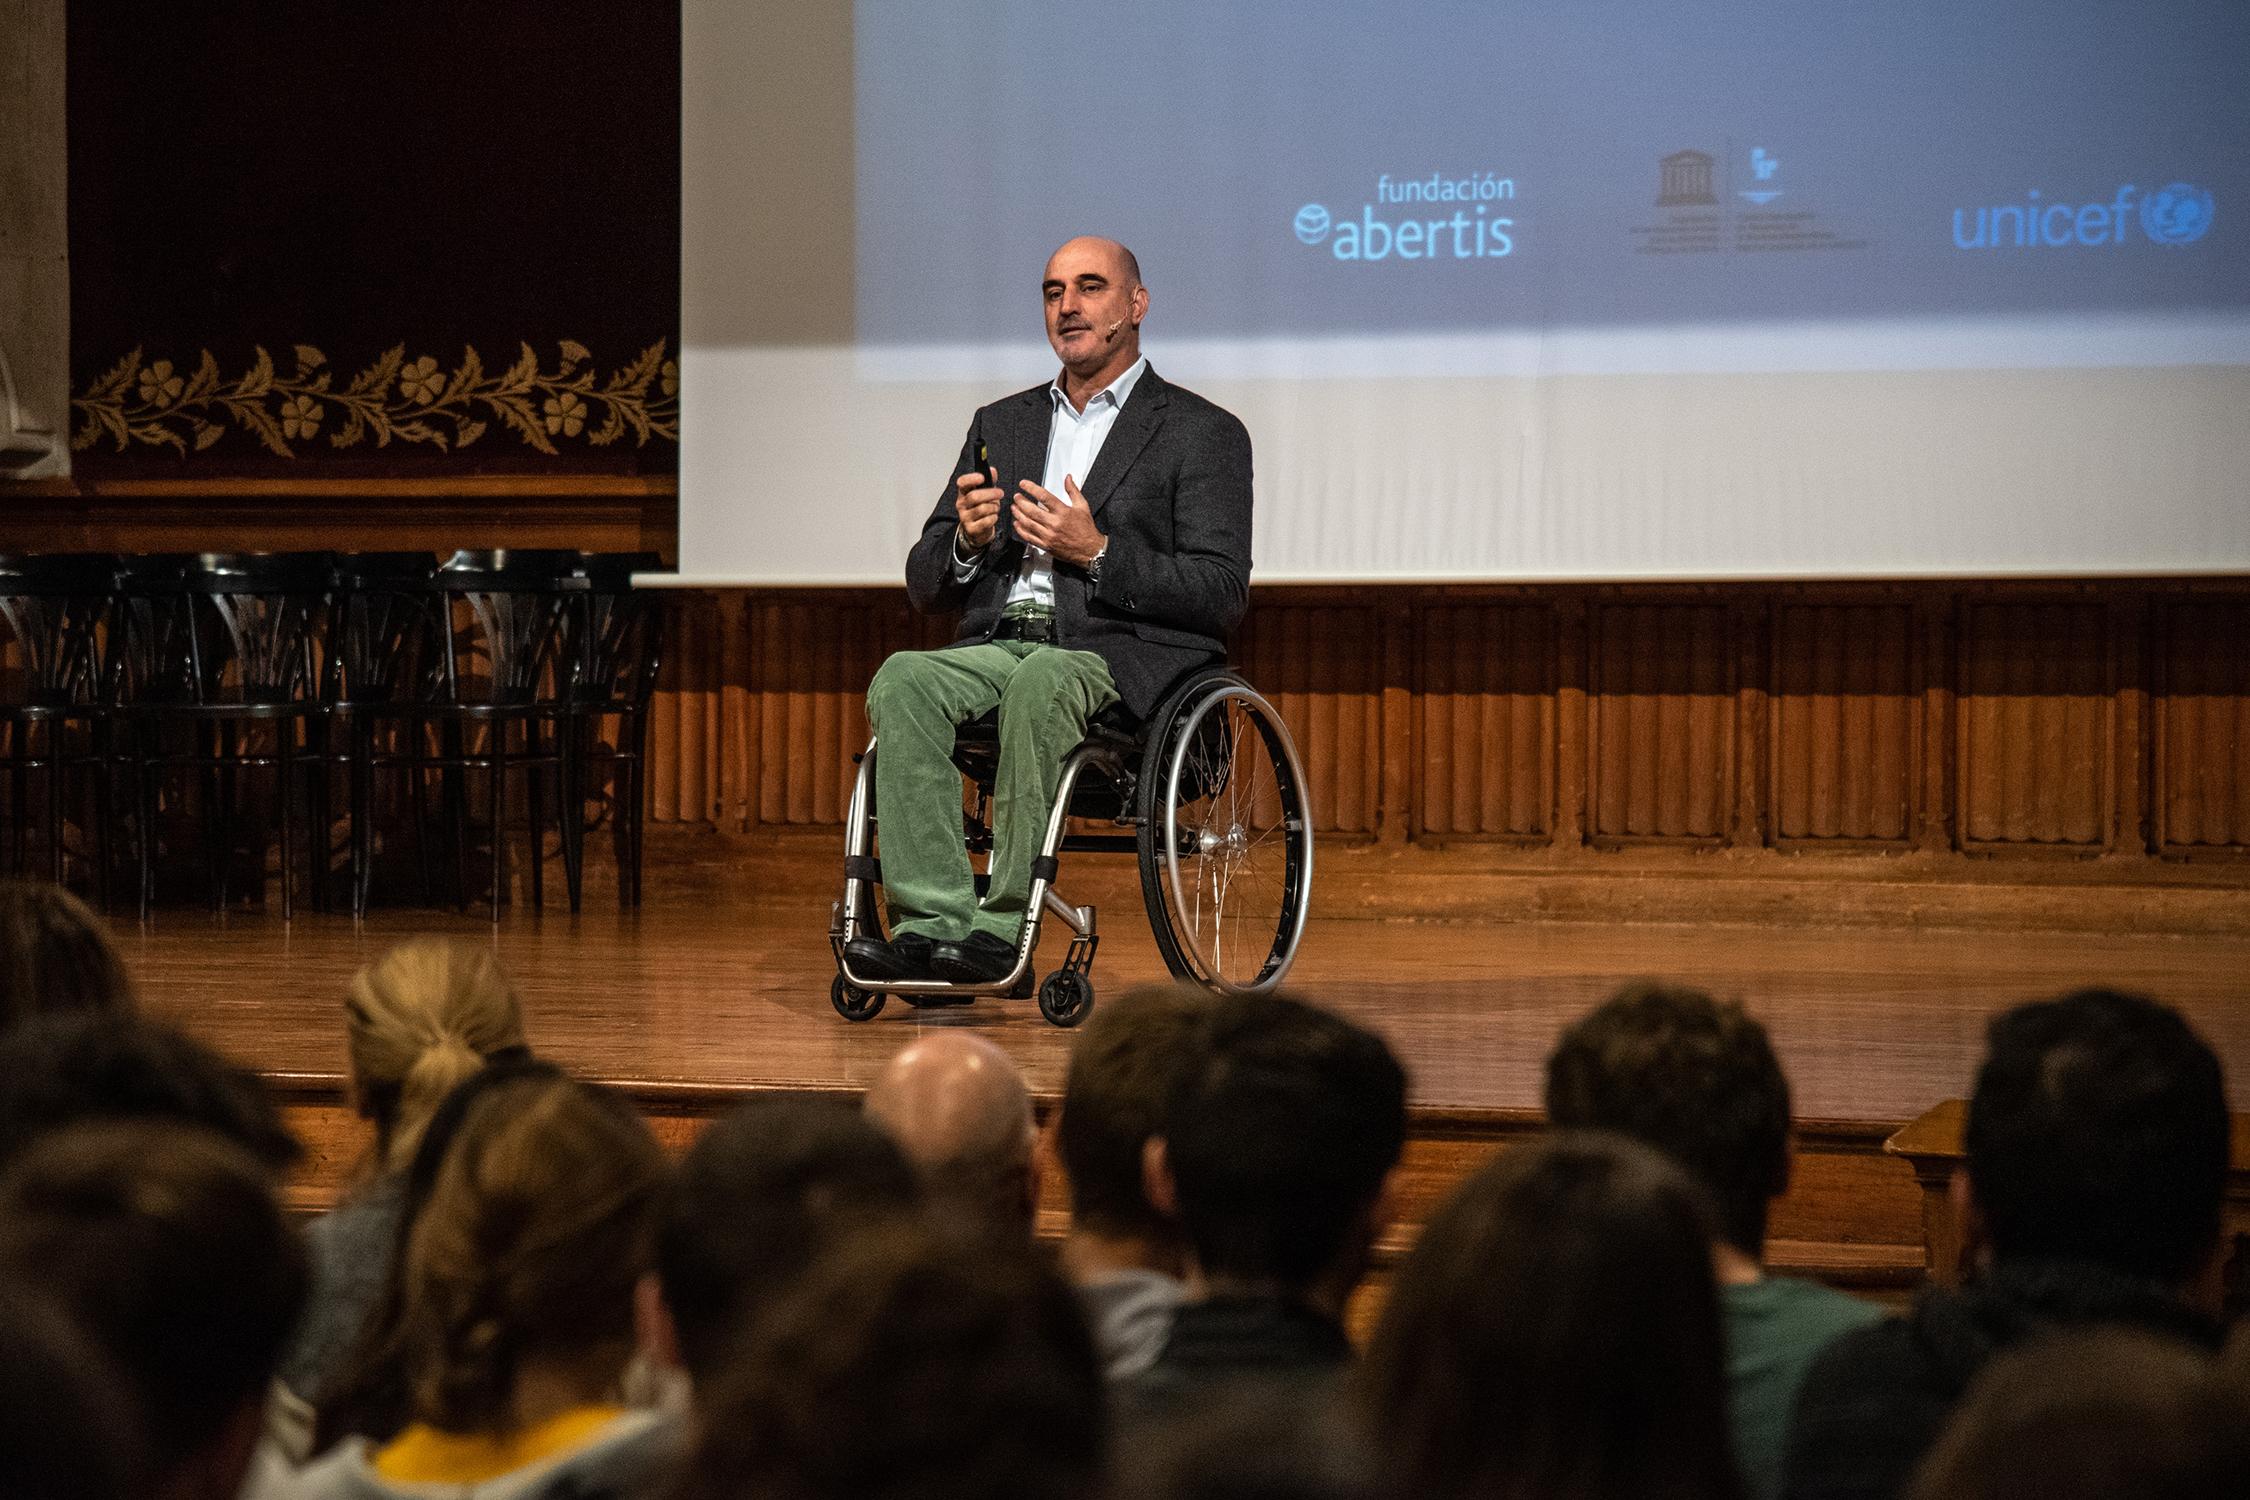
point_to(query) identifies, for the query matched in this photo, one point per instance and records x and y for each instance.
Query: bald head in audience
(958, 1108)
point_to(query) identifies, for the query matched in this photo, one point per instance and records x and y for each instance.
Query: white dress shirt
(1074, 442)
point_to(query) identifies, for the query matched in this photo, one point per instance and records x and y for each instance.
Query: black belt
(1026, 627)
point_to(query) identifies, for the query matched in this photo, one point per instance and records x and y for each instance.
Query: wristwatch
(1094, 566)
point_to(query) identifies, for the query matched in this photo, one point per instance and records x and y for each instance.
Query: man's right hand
(976, 504)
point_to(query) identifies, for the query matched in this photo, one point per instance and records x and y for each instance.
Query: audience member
(1556, 1332)
(1279, 1138)
(2096, 1414)
(957, 1107)
(1255, 1441)
(68, 1430)
(70, 1069)
(417, 1021)
(2096, 1164)
(55, 955)
(167, 1246)
(1697, 1080)
(909, 1365)
(369, 1396)
(1125, 1257)
(759, 1199)
(518, 1280)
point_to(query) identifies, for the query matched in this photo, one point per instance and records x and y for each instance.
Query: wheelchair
(1207, 793)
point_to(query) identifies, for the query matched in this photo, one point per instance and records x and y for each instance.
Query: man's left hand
(1064, 528)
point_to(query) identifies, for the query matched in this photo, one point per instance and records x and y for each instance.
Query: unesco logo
(1312, 223)
(2176, 215)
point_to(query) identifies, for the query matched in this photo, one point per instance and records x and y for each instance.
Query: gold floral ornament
(413, 401)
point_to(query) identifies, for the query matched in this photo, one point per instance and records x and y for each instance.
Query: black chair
(215, 672)
(491, 705)
(386, 631)
(617, 652)
(54, 610)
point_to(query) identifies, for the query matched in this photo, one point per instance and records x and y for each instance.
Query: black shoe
(979, 958)
(904, 957)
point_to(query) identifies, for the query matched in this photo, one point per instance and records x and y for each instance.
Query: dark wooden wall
(2021, 720)
(330, 239)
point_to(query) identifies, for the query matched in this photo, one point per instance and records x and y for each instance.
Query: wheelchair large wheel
(1226, 843)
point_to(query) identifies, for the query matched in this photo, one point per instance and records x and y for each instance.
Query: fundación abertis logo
(1435, 217)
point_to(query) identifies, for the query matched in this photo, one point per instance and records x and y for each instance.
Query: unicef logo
(2179, 215)
(1312, 223)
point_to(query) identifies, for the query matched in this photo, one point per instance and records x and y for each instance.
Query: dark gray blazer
(1171, 491)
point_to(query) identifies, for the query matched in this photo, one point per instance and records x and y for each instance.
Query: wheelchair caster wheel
(1067, 997)
(854, 1003)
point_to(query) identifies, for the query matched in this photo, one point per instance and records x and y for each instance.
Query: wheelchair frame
(1066, 996)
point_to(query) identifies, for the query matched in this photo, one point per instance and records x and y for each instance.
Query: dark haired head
(908, 1365)
(70, 1069)
(758, 1199)
(55, 955)
(1696, 1079)
(68, 1431)
(2092, 1414)
(2098, 1132)
(169, 1247)
(1123, 1068)
(1279, 1134)
(1555, 1331)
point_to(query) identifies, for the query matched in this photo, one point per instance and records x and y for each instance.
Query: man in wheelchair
(1096, 540)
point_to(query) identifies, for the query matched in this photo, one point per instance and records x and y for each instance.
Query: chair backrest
(150, 657)
(507, 623)
(53, 612)
(384, 629)
(260, 621)
(618, 634)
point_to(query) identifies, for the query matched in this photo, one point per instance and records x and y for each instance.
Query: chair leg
(572, 800)
(19, 801)
(55, 803)
(215, 818)
(535, 810)
(360, 811)
(418, 793)
(285, 789)
(148, 772)
(497, 808)
(104, 801)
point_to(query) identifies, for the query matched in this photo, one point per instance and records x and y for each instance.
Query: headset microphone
(1120, 323)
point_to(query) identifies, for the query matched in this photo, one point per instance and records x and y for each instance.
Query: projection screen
(1504, 290)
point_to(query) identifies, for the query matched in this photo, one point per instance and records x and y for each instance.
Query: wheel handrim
(1237, 856)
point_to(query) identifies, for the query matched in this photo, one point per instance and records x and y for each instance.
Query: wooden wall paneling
(1487, 722)
(1751, 622)
(1318, 663)
(2201, 743)
(2037, 724)
(679, 749)
(1401, 740)
(1573, 719)
(1935, 668)
(738, 712)
(2129, 831)
(1662, 722)
(1842, 723)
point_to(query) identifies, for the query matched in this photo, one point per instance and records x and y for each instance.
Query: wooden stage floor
(721, 982)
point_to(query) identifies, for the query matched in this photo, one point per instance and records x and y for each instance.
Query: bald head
(958, 1109)
(1119, 263)
(1095, 303)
